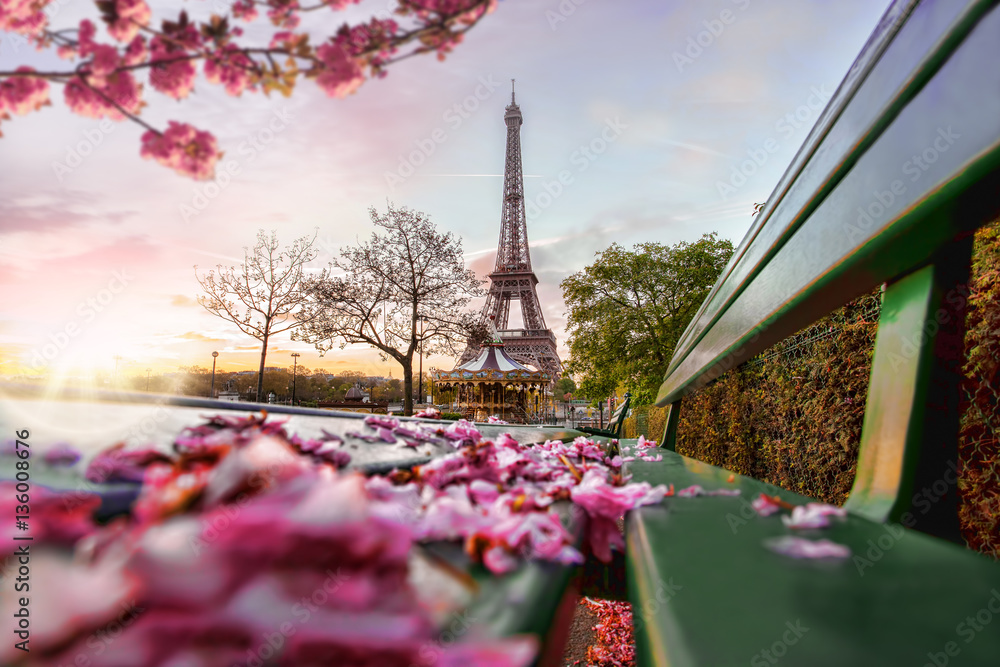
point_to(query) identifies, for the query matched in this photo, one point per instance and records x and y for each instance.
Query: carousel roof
(491, 365)
(493, 358)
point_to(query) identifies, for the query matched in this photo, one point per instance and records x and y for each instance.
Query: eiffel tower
(512, 277)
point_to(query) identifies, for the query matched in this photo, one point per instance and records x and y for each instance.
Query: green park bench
(900, 170)
(615, 423)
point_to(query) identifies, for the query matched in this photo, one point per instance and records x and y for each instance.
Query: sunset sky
(104, 247)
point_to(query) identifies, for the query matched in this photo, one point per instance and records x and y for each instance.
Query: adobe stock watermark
(665, 592)
(92, 139)
(967, 629)
(774, 653)
(786, 126)
(101, 639)
(957, 298)
(453, 116)
(747, 513)
(88, 310)
(696, 44)
(253, 144)
(429, 653)
(913, 168)
(922, 500)
(302, 610)
(565, 9)
(581, 158)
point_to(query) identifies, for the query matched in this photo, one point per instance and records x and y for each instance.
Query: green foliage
(564, 385)
(979, 441)
(791, 417)
(628, 309)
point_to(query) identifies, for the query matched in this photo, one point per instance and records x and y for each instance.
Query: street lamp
(295, 363)
(147, 378)
(214, 355)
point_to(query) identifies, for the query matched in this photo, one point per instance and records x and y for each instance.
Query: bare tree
(262, 296)
(403, 290)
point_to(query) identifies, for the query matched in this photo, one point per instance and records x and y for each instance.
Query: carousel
(494, 385)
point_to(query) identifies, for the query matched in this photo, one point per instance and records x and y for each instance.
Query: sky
(651, 107)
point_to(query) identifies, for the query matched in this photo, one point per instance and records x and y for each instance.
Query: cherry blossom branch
(103, 85)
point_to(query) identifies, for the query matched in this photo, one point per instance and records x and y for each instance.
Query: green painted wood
(815, 252)
(669, 439)
(706, 592)
(911, 41)
(908, 459)
(615, 424)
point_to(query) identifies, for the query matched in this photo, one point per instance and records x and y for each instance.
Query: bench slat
(883, 79)
(910, 430)
(831, 258)
(706, 592)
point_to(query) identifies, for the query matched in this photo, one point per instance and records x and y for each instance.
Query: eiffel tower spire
(513, 278)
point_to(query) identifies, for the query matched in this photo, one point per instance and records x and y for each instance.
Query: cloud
(183, 301)
(50, 209)
(194, 335)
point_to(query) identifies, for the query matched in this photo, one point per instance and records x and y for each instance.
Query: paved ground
(581, 635)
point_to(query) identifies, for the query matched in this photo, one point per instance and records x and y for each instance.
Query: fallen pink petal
(798, 547)
(813, 515)
(764, 505)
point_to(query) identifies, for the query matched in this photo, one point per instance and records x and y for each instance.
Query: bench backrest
(901, 167)
(617, 419)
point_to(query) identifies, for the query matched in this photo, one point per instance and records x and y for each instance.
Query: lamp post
(295, 365)
(214, 356)
(147, 378)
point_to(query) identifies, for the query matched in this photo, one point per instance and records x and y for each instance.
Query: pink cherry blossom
(118, 464)
(697, 490)
(766, 505)
(172, 73)
(797, 547)
(340, 75)
(813, 515)
(245, 10)
(137, 51)
(517, 651)
(95, 101)
(482, 492)
(493, 419)
(62, 455)
(23, 16)
(283, 13)
(429, 413)
(184, 149)
(131, 14)
(85, 37)
(462, 431)
(56, 518)
(242, 520)
(375, 421)
(643, 443)
(104, 61)
(23, 94)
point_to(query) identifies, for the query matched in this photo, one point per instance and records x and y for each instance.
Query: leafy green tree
(628, 309)
(564, 385)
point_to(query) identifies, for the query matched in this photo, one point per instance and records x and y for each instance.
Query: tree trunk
(260, 373)
(407, 364)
